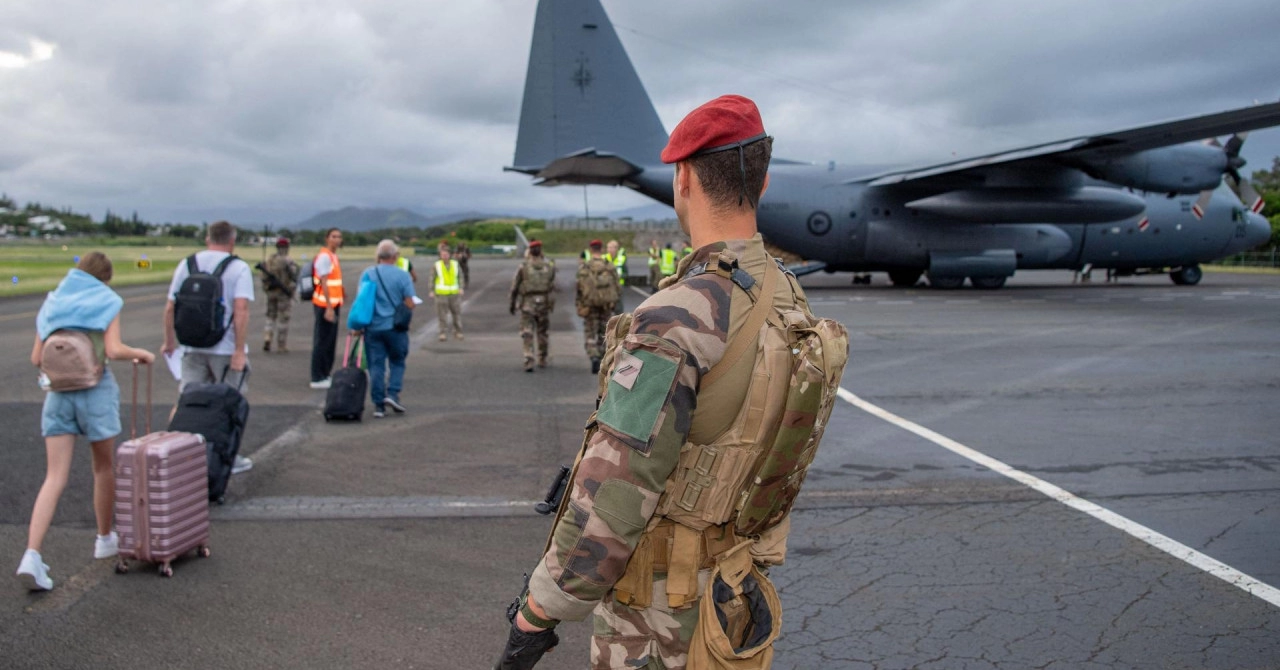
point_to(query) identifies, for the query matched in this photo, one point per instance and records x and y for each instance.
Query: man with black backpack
(208, 315)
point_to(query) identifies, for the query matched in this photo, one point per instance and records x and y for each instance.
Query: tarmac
(398, 542)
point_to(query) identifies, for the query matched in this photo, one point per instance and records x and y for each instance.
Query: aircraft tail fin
(585, 117)
(522, 243)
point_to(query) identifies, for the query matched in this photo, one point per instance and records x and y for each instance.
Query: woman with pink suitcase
(77, 330)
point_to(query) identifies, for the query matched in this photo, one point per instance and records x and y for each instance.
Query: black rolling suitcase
(219, 412)
(348, 388)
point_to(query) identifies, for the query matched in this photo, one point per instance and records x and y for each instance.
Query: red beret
(535, 243)
(282, 242)
(596, 244)
(724, 123)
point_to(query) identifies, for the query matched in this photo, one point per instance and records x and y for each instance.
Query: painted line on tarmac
(1159, 541)
(327, 508)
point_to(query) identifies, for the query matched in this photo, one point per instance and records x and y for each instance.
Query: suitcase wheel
(121, 567)
(166, 570)
(204, 551)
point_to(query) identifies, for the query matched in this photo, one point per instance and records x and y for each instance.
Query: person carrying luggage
(327, 300)
(208, 315)
(77, 331)
(387, 336)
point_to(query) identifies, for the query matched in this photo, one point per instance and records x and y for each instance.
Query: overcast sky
(268, 112)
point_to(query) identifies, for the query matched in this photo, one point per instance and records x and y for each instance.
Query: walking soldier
(279, 281)
(531, 293)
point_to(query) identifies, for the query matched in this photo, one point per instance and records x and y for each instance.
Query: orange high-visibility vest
(334, 282)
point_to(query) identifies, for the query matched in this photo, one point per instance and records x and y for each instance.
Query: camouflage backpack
(539, 277)
(598, 283)
(751, 474)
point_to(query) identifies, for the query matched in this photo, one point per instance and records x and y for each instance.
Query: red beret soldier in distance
(636, 542)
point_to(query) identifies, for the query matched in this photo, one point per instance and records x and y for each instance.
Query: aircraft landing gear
(1189, 275)
(945, 283)
(861, 279)
(988, 283)
(904, 278)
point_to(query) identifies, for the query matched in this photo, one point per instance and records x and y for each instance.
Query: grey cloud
(273, 109)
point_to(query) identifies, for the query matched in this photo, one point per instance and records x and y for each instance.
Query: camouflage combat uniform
(631, 451)
(279, 302)
(535, 312)
(594, 318)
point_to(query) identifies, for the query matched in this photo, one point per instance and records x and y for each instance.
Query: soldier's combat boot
(595, 365)
(528, 365)
(542, 362)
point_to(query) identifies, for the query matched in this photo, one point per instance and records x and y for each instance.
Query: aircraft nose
(1258, 230)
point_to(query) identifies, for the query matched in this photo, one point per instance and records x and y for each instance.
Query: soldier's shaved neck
(705, 222)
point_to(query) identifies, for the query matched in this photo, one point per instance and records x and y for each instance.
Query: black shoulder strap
(217, 272)
(377, 273)
(192, 268)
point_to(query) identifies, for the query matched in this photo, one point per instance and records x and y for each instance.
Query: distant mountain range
(360, 219)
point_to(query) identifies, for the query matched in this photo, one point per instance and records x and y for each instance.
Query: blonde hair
(97, 264)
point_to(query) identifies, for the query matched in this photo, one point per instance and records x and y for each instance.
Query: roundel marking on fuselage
(819, 223)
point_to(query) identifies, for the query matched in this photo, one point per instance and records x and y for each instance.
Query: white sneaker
(322, 384)
(107, 545)
(33, 573)
(395, 405)
(242, 464)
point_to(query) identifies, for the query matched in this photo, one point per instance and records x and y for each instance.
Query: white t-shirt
(322, 265)
(237, 282)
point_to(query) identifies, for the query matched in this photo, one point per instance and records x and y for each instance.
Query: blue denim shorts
(94, 413)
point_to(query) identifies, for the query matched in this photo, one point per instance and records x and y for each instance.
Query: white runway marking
(1163, 543)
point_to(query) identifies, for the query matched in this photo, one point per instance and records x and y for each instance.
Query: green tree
(1267, 182)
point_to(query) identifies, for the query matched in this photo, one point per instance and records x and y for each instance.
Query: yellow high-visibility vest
(402, 263)
(668, 264)
(654, 254)
(619, 265)
(446, 278)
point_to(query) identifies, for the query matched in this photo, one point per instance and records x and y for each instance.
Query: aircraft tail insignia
(584, 106)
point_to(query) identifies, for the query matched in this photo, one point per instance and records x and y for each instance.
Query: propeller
(1234, 162)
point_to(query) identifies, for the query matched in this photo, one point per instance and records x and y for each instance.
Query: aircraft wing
(1130, 141)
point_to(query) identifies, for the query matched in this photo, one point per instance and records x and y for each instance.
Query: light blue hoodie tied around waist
(81, 301)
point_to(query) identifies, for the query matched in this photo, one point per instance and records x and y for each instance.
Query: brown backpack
(70, 361)
(598, 284)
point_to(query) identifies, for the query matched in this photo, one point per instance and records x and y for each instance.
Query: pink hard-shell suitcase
(162, 493)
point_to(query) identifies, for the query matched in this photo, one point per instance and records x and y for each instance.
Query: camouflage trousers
(593, 330)
(654, 638)
(449, 307)
(279, 306)
(533, 324)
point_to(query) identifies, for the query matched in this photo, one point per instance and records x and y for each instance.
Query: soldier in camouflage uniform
(595, 301)
(654, 402)
(531, 293)
(279, 281)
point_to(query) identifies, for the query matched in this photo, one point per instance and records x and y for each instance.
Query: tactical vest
(598, 287)
(741, 485)
(538, 277)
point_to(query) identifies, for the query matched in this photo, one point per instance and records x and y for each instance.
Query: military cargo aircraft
(1144, 200)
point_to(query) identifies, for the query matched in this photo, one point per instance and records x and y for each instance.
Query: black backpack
(199, 317)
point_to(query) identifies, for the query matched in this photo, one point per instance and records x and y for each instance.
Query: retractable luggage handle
(243, 377)
(133, 411)
(352, 345)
